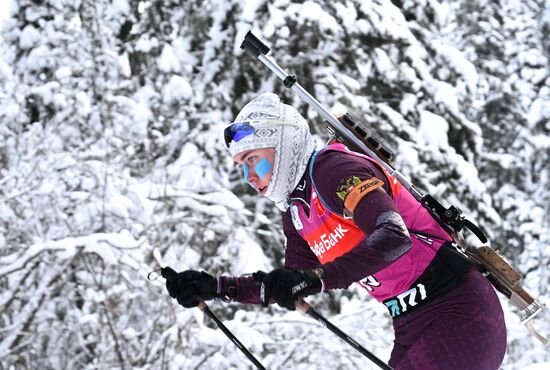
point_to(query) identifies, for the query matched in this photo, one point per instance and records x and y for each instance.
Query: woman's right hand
(190, 286)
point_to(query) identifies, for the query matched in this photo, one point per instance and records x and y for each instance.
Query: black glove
(285, 285)
(190, 286)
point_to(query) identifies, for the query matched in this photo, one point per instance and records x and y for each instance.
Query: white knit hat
(280, 126)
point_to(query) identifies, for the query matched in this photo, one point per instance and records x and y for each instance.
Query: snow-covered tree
(112, 162)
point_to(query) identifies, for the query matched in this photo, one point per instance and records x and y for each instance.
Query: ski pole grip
(302, 305)
(254, 46)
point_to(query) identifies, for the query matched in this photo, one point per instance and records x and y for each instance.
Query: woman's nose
(248, 175)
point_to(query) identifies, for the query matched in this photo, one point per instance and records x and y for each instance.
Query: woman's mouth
(262, 190)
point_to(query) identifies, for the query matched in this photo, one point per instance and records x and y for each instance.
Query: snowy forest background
(112, 164)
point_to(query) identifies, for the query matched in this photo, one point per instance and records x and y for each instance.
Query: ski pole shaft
(204, 308)
(170, 275)
(304, 307)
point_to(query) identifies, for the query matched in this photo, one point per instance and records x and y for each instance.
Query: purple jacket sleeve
(387, 237)
(247, 290)
(376, 215)
(297, 256)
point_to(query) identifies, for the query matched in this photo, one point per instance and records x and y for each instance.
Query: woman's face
(257, 166)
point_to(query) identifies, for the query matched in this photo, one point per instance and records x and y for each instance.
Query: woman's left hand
(285, 285)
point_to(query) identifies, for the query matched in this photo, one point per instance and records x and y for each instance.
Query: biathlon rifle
(355, 136)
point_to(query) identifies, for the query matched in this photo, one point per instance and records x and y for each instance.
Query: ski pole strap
(204, 308)
(304, 307)
(226, 289)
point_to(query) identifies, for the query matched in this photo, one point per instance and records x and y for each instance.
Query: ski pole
(169, 274)
(204, 308)
(304, 307)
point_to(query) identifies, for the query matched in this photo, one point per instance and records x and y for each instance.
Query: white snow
(124, 64)
(249, 8)
(63, 72)
(119, 8)
(457, 61)
(408, 103)
(29, 37)
(538, 366)
(346, 12)
(177, 88)
(250, 256)
(168, 62)
(539, 110)
(121, 176)
(145, 44)
(433, 129)
(313, 12)
(83, 103)
(445, 93)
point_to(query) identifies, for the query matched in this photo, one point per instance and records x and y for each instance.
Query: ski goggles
(237, 131)
(264, 129)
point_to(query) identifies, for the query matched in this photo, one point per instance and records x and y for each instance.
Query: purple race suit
(445, 314)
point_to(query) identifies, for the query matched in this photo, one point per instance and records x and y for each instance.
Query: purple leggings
(463, 329)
